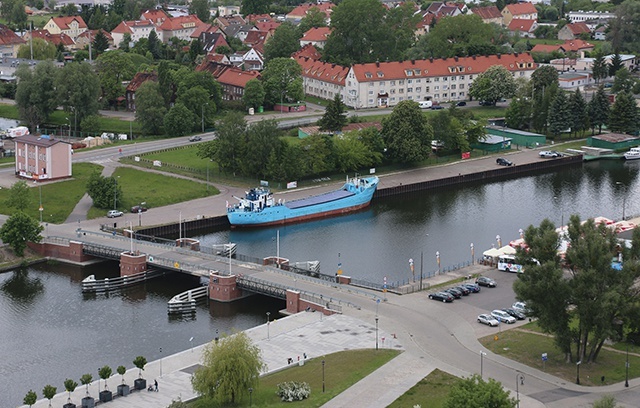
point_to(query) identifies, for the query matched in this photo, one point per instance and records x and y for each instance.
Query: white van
(425, 104)
(507, 263)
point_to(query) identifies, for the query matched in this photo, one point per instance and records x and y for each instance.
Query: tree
(100, 43)
(30, 398)
(42, 50)
(335, 117)
(201, 108)
(18, 14)
(254, 7)
(282, 81)
(623, 81)
(227, 149)
(230, 367)
(104, 191)
(124, 44)
(600, 69)
(352, 153)
(285, 41)
(20, 229)
(19, 196)
(543, 77)
(105, 373)
(518, 113)
(153, 45)
(49, 391)
(493, 84)
(314, 18)
(150, 110)
(319, 157)
(260, 140)
(79, 88)
(186, 79)
(201, 9)
(70, 386)
(178, 121)
(624, 114)
(616, 64)
(254, 94)
(624, 32)
(36, 95)
(140, 362)
(578, 112)
(541, 103)
(559, 114)
(474, 392)
(599, 109)
(113, 68)
(407, 134)
(86, 380)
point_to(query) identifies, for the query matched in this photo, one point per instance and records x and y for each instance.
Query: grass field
(430, 392)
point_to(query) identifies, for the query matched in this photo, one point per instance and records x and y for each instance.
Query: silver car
(488, 320)
(503, 317)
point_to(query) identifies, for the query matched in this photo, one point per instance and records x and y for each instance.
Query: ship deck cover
(319, 199)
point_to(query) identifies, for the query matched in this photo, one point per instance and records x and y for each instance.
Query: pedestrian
(155, 383)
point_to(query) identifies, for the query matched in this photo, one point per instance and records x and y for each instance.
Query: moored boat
(632, 154)
(259, 208)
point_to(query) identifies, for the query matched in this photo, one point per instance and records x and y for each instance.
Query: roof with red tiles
(63, 22)
(323, 71)
(225, 21)
(157, 16)
(129, 26)
(237, 77)
(521, 8)
(303, 9)
(576, 45)
(578, 28)
(521, 24)
(316, 34)
(440, 67)
(258, 18)
(204, 28)
(56, 39)
(267, 25)
(307, 51)
(180, 22)
(545, 48)
(213, 67)
(487, 13)
(8, 37)
(91, 34)
(139, 79)
(255, 37)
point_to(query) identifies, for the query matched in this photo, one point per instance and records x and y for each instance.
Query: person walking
(155, 383)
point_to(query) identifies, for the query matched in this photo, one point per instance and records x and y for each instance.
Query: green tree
(100, 43)
(113, 68)
(186, 79)
(285, 41)
(20, 229)
(600, 69)
(178, 121)
(78, 88)
(201, 108)
(150, 110)
(260, 140)
(460, 36)
(42, 50)
(352, 153)
(400, 25)
(86, 380)
(599, 108)
(18, 14)
(624, 29)
(30, 398)
(282, 81)
(201, 9)
(153, 45)
(36, 95)
(124, 44)
(407, 134)
(474, 392)
(104, 191)
(541, 103)
(227, 149)
(140, 362)
(623, 81)
(624, 114)
(616, 64)
(448, 129)
(518, 113)
(578, 112)
(544, 77)
(335, 115)
(230, 367)
(105, 373)
(493, 84)
(314, 18)
(91, 124)
(559, 114)
(19, 196)
(168, 82)
(70, 386)
(319, 157)
(254, 7)
(49, 391)
(254, 94)
(357, 32)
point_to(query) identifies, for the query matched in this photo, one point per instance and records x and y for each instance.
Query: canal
(51, 331)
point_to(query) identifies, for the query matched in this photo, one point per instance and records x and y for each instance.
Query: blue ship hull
(258, 208)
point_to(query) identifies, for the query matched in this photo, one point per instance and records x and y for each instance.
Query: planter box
(88, 402)
(123, 390)
(106, 396)
(69, 405)
(140, 384)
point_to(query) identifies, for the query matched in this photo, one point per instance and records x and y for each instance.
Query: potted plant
(30, 398)
(123, 389)
(49, 391)
(70, 386)
(140, 383)
(105, 373)
(87, 401)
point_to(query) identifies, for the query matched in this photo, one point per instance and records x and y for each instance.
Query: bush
(293, 391)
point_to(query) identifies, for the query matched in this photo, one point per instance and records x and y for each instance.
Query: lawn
(527, 348)
(430, 392)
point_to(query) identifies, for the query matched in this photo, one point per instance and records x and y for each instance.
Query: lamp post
(472, 253)
(438, 260)
(499, 240)
(40, 209)
(626, 365)
(250, 394)
(624, 197)
(323, 376)
(376, 332)
(191, 343)
(482, 354)
(578, 372)
(519, 381)
(268, 313)
(160, 362)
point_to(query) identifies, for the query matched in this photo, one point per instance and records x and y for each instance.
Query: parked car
(513, 312)
(473, 287)
(437, 107)
(461, 103)
(465, 291)
(549, 154)
(195, 139)
(442, 296)
(503, 317)
(138, 208)
(454, 292)
(114, 213)
(520, 307)
(503, 162)
(488, 319)
(486, 103)
(484, 281)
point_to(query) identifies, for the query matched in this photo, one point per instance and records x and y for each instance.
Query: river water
(49, 331)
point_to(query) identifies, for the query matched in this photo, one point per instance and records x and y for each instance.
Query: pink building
(42, 158)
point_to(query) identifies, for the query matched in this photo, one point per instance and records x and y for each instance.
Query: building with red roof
(9, 41)
(269, 26)
(156, 16)
(523, 27)
(301, 11)
(55, 39)
(573, 31)
(180, 27)
(322, 79)
(137, 29)
(72, 26)
(577, 46)
(135, 83)
(525, 11)
(308, 51)
(316, 37)
(545, 48)
(258, 18)
(489, 14)
(88, 36)
(254, 38)
(233, 82)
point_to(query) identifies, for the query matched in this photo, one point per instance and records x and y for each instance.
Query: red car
(138, 208)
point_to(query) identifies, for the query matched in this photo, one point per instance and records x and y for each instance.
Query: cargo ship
(259, 208)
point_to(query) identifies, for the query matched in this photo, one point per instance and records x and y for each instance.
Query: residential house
(525, 11)
(212, 66)
(224, 21)
(89, 36)
(268, 26)
(489, 14)
(233, 82)
(212, 40)
(156, 16)
(523, 27)
(42, 158)
(446, 9)
(255, 37)
(239, 31)
(180, 27)
(218, 58)
(570, 46)
(423, 26)
(72, 26)
(628, 61)
(135, 83)
(573, 30)
(9, 42)
(137, 29)
(237, 58)
(55, 39)
(583, 16)
(225, 11)
(388, 83)
(301, 11)
(253, 60)
(258, 18)
(307, 51)
(573, 80)
(600, 34)
(316, 37)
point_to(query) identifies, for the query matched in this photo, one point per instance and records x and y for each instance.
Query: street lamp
(624, 197)
(202, 115)
(115, 192)
(191, 343)
(250, 393)
(376, 332)
(578, 372)
(499, 240)
(40, 208)
(626, 376)
(323, 376)
(482, 354)
(160, 362)
(268, 313)
(438, 260)
(472, 253)
(519, 381)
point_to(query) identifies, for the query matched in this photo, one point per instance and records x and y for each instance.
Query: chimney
(474, 57)
(378, 64)
(456, 59)
(515, 54)
(499, 55)
(413, 62)
(431, 59)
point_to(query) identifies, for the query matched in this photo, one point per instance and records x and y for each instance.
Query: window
(380, 74)
(418, 89)
(409, 81)
(370, 83)
(436, 88)
(462, 77)
(436, 96)
(348, 83)
(401, 90)
(392, 83)
(401, 98)
(427, 89)
(444, 95)
(381, 83)
(436, 79)
(409, 97)
(453, 78)
(461, 86)
(368, 75)
(418, 80)
(370, 92)
(370, 101)
(453, 86)
(416, 72)
(409, 90)
(393, 91)
(401, 82)
(408, 72)
(393, 99)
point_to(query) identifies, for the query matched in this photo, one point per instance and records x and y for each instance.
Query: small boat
(259, 208)
(632, 154)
